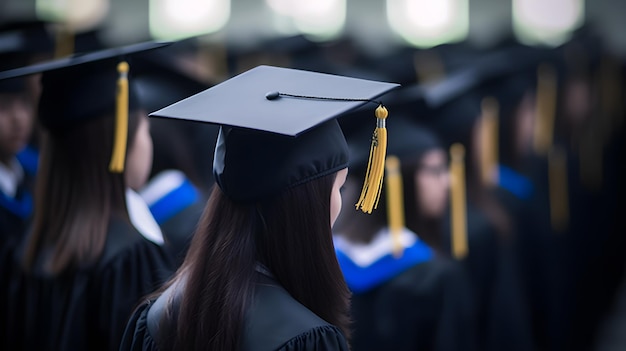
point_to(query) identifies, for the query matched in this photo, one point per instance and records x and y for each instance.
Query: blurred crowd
(499, 226)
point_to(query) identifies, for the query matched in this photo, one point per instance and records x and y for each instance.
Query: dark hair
(290, 234)
(76, 194)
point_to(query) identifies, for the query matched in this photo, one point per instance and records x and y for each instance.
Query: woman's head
(280, 162)
(432, 182)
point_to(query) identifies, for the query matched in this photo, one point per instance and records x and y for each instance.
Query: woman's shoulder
(277, 321)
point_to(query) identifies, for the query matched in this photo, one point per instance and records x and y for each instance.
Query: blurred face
(335, 196)
(432, 182)
(16, 124)
(139, 159)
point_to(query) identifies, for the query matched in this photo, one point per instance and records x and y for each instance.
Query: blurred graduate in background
(407, 295)
(85, 262)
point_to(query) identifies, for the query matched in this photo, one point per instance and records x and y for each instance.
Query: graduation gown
(15, 216)
(534, 247)
(501, 308)
(416, 302)
(87, 308)
(275, 321)
(16, 211)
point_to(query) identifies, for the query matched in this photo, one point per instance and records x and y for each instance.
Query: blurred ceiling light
(320, 18)
(546, 21)
(177, 19)
(426, 23)
(76, 14)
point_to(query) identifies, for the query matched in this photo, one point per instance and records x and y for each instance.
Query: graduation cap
(20, 41)
(279, 129)
(84, 87)
(28, 37)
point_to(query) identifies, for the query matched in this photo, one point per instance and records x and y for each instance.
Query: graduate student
(459, 111)
(261, 273)
(21, 42)
(16, 177)
(406, 294)
(83, 266)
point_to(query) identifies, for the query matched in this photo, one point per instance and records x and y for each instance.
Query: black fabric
(250, 165)
(275, 322)
(502, 319)
(428, 307)
(88, 308)
(12, 230)
(75, 95)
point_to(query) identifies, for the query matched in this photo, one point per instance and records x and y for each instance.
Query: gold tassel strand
(118, 156)
(458, 201)
(489, 141)
(370, 194)
(395, 203)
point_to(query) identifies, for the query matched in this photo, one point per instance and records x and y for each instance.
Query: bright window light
(546, 21)
(177, 19)
(77, 14)
(319, 18)
(426, 23)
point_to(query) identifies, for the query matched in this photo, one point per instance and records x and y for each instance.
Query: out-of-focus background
(375, 23)
(545, 194)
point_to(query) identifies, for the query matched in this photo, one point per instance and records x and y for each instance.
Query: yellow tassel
(118, 156)
(395, 203)
(557, 181)
(372, 186)
(489, 140)
(458, 201)
(545, 109)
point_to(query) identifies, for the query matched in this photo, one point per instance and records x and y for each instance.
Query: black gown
(15, 217)
(419, 301)
(16, 211)
(503, 320)
(275, 321)
(85, 309)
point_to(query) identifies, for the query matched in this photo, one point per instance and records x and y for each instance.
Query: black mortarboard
(28, 37)
(20, 41)
(87, 86)
(279, 127)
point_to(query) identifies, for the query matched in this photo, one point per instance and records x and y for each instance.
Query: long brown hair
(76, 195)
(290, 234)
